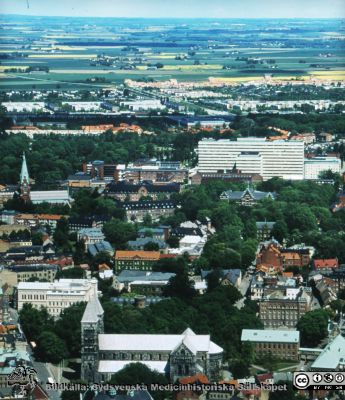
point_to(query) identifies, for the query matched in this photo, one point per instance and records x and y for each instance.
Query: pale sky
(178, 8)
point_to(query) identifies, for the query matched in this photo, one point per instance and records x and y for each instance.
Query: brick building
(135, 259)
(124, 191)
(280, 310)
(137, 210)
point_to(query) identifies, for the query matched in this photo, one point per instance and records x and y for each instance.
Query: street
(43, 373)
(243, 290)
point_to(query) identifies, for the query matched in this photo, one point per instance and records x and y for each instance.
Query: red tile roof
(264, 377)
(137, 254)
(193, 379)
(326, 263)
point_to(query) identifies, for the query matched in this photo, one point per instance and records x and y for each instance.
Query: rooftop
(49, 195)
(148, 342)
(269, 336)
(137, 254)
(332, 355)
(136, 275)
(326, 263)
(62, 284)
(92, 311)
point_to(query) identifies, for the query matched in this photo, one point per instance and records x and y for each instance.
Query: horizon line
(174, 18)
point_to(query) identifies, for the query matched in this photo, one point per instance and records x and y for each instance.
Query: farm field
(77, 52)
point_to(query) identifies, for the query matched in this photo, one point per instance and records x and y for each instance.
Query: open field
(232, 51)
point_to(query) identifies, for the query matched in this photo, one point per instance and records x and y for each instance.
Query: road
(42, 374)
(13, 315)
(42, 369)
(243, 290)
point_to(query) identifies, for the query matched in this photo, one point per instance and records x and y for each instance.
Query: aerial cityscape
(172, 200)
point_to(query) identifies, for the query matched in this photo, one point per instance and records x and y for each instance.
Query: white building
(278, 158)
(143, 105)
(332, 357)
(57, 295)
(84, 105)
(50, 196)
(91, 235)
(313, 166)
(25, 106)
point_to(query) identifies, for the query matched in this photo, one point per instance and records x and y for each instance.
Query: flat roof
(270, 335)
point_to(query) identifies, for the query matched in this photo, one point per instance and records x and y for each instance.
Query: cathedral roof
(157, 342)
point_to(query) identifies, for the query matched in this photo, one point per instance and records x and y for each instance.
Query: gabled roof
(332, 355)
(254, 194)
(95, 248)
(158, 342)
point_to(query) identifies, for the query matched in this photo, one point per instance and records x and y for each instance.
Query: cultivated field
(78, 51)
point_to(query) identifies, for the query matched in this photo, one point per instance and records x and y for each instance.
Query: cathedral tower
(91, 326)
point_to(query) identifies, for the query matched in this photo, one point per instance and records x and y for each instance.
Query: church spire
(24, 181)
(24, 173)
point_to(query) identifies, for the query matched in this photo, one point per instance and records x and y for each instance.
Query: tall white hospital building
(276, 158)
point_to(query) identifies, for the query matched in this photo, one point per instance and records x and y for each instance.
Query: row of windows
(142, 357)
(33, 297)
(276, 346)
(60, 303)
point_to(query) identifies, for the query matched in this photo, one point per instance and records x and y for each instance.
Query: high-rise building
(278, 158)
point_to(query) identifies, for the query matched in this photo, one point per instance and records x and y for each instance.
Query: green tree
(313, 327)
(118, 232)
(180, 286)
(79, 252)
(60, 236)
(248, 251)
(239, 369)
(67, 327)
(220, 255)
(137, 373)
(213, 279)
(70, 273)
(32, 321)
(151, 246)
(50, 348)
